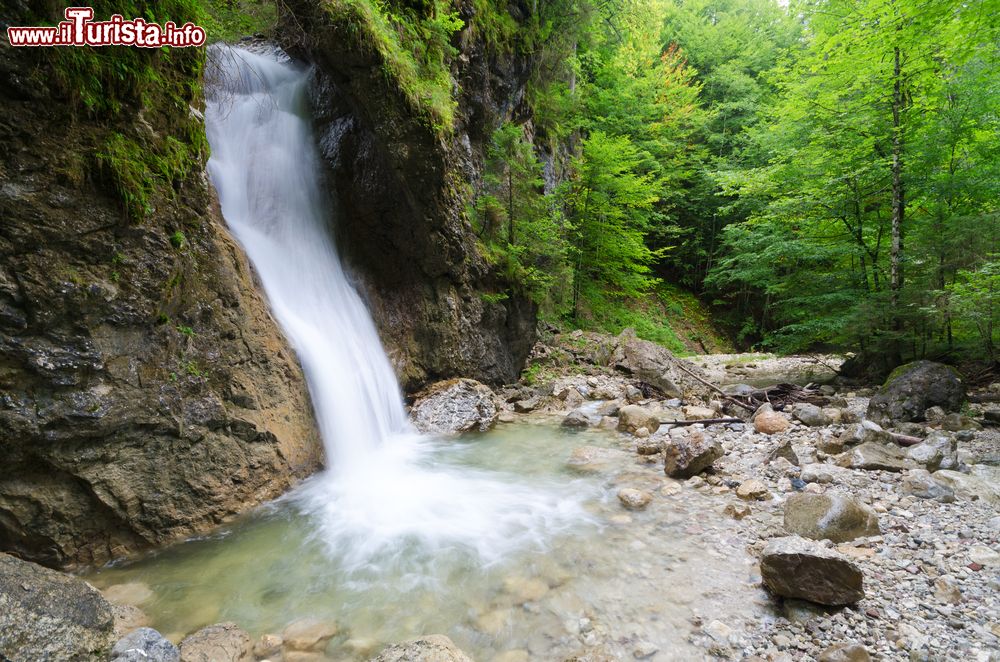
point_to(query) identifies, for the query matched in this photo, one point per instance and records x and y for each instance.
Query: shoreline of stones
(869, 549)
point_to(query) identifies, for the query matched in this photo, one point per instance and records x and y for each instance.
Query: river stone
(871, 456)
(810, 415)
(633, 417)
(785, 451)
(829, 516)
(794, 567)
(849, 652)
(947, 444)
(145, 645)
(753, 490)
(649, 446)
(430, 648)
(46, 615)
(920, 483)
(455, 406)
(768, 421)
(688, 456)
(309, 634)
(697, 413)
(575, 419)
(527, 405)
(864, 432)
(982, 483)
(222, 642)
(634, 499)
(912, 389)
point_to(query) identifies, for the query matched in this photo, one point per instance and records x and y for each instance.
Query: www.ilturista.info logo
(80, 30)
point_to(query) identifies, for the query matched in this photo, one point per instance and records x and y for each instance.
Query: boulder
(981, 483)
(222, 642)
(455, 406)
(688, 456)
(46, 615)
(829, 516)
(656, 366)
(576, 419)
(871, 456)
(849, 652)
(430, 648)
(810, 415)
(784, 450)
(145, 645)
(794, 567)
(649, 446)
(914, 388)
(634, 499)
(920, 483)
(633, 417)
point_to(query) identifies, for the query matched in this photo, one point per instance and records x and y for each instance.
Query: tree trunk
(898, 200)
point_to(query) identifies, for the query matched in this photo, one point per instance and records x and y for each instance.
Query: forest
(824, 174)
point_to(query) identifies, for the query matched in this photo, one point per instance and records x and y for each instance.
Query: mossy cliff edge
(145, 391)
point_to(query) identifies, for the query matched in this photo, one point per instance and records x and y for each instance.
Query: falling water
(382, 496)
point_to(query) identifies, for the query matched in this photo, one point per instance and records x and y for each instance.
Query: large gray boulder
(794, 567)
(145, 645)
(455, 406)
(633, 417)
(46, 615)
(829, 516)
(430, 648)
(655, 365)
(912, 389)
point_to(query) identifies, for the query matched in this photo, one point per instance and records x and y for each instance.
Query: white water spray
(381, 497)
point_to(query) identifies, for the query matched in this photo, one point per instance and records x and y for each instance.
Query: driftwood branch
(705, 421)
(905, 439)
(717, 389)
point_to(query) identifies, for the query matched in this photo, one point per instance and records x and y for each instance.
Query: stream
(492, 539)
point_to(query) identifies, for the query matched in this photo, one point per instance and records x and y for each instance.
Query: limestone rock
(46, 615)
(785, 451)
(794, 567)
(688, 456)
(736, 510)
(455, 406)
(222, 642)
(860, 433)
(145, 645)
(912, 389)
(430, 648)
(697, 413)
(633, 417)
(634, 499)
(527, 405)
(849, 652)
(649, 446)
(982, 482)
(768, 421)
(920, 483)
(655, 365)
(753, 490)
(872, 456)
(810, 415)
(829, 516)
(576, 419)
(309, 634)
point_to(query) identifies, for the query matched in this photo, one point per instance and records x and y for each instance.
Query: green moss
(230, 20)
(178, 240)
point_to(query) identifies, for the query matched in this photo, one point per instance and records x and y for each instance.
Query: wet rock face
(455, 406)
(145, 391)
(914, 388)
(46, 615)
(401, 194)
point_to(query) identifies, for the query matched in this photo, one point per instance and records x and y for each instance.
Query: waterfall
(383, 495)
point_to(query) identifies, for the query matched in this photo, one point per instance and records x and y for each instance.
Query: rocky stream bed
(808, 533)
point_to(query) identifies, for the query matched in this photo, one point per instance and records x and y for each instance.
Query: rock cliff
(402, 186)
(145, 391)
